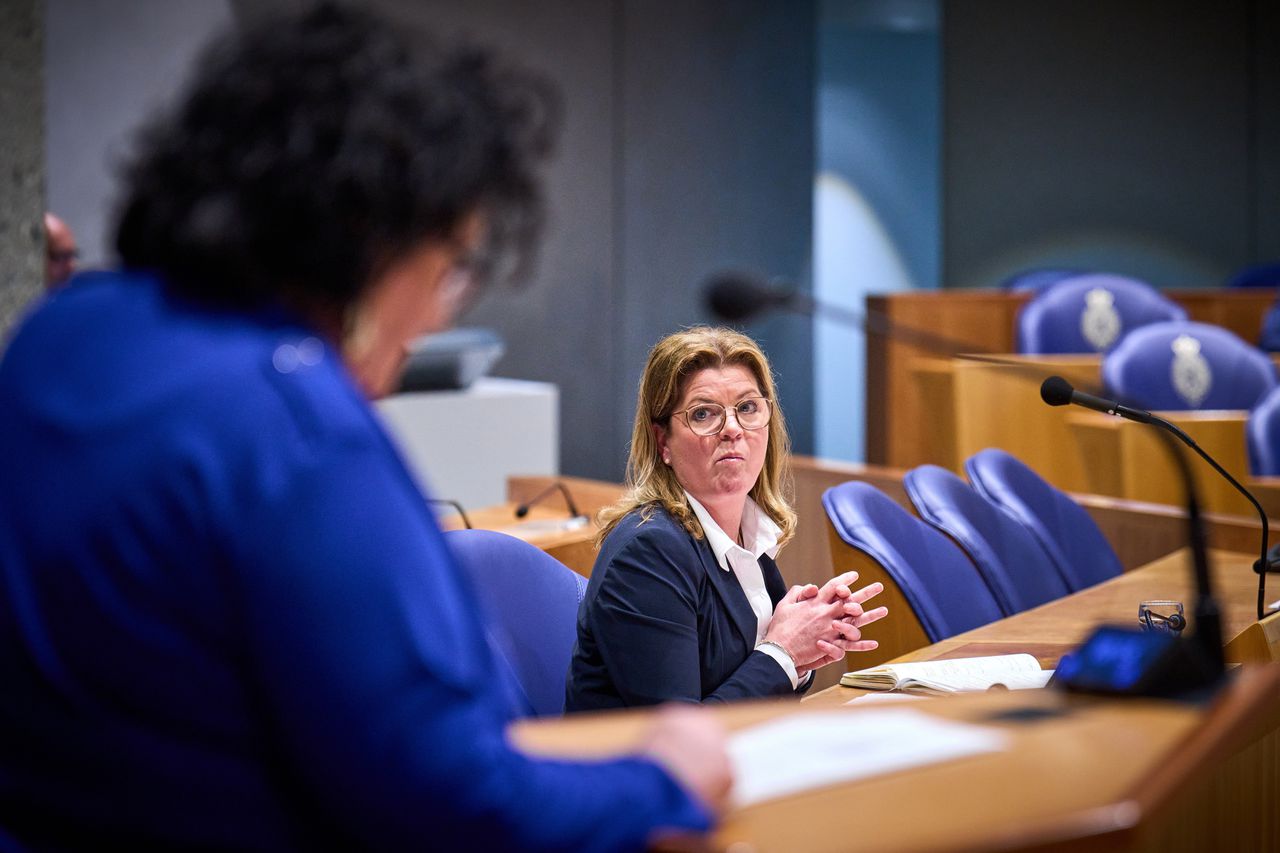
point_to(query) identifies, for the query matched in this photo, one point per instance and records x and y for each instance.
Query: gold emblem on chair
(1100, 324)
(1190, 371)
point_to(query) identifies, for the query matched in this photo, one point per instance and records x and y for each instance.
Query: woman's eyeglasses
(710, 418)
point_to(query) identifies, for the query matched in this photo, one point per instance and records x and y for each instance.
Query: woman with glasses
(685, 601)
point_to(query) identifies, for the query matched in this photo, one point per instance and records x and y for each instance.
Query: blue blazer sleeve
(662, 621)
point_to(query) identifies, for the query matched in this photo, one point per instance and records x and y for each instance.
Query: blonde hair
(649, 483)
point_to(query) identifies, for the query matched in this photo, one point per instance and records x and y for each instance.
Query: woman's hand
(818, 626)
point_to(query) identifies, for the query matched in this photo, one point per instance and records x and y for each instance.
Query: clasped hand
(818, 626)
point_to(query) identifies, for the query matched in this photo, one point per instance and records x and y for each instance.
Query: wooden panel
(997, 404)
(994, 401)
(1141, 532)
(978, 322)
(1129, 460)
(1259, 643)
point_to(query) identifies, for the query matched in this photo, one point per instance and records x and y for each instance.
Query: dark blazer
(661, 620)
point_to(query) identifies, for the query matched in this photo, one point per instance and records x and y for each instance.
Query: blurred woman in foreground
(227, 617)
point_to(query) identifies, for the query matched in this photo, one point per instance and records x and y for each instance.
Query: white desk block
(462, 445)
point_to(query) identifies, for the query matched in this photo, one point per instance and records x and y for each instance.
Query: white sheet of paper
(805, 751)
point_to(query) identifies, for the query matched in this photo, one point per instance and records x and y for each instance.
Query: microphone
(457, 507)
(523, 509)
(735, 297)
(1057, 391)
(1135, 662)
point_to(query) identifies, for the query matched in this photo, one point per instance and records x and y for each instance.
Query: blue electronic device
(1132, 662)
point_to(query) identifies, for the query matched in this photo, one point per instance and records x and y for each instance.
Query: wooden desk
(1056, 627)
(575, 547)
(899, 416)
(1081, 773)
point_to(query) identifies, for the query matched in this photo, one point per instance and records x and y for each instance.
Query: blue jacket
(228, 619)
(661, 620)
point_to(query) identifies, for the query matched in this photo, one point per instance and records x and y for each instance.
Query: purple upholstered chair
(945, 592)
(1186, 365)
(531, 600)
(1016, 569)
(1075, 545)
(1090, 313)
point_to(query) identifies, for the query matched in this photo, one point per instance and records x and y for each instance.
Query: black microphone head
(1056, 391)
(522, 510)
(735, 296)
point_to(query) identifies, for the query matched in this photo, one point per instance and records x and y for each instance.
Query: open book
(935, 677)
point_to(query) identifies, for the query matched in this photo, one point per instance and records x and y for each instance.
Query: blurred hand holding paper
(805, 751)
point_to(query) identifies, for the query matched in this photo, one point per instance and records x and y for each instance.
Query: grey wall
(716, 148)
(688, 146)
(1139, 137)
(21, 158)
(108, 64)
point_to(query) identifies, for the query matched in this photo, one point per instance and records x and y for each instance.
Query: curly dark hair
(311, 151)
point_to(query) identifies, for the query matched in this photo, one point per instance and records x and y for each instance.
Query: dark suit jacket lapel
(773, 581)
(730, 592)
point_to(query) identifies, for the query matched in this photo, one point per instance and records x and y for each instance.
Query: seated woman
(685, 601)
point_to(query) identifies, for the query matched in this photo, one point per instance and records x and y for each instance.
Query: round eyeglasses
(710, 418)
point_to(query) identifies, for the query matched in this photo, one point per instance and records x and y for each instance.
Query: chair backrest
(1269, 336)
(1075, 545)
(1262, 434)
(1259, 275)
(1010, 560)
(1037, 278)
(942, 587)
(531, 600)
(1185, 365)
(1090, 313)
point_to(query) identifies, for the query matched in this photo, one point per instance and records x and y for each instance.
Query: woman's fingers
(801, 592)
(846, 631)
(871, 616)
(847, 579)
(851, 610)
(839, 586)
(831, 653)
(869, 591)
